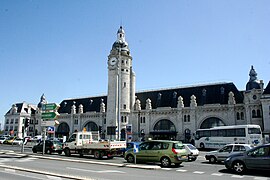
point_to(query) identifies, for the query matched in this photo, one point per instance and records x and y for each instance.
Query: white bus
(217, 137)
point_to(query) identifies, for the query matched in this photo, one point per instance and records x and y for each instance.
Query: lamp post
(139, 124)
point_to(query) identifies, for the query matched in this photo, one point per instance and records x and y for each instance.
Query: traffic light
(100, 129)
(26, 122)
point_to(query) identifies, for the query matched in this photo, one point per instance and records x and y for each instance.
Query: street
(14, 165)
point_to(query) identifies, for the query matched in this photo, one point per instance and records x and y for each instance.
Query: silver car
(226, 151)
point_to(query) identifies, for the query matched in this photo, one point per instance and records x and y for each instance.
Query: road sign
(47, 123)
(50, 107)
(49, 115)
(50, 128)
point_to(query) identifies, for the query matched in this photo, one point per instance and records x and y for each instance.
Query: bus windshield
(254, 131)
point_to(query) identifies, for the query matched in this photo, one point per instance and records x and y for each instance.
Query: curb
(139, 166)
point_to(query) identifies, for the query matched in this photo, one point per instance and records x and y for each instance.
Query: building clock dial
(112, 61)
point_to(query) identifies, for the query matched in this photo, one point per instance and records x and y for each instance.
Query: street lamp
(139, 124)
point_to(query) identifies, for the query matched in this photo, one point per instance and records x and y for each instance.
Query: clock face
(113, 61)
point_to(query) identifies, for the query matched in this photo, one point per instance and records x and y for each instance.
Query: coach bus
(217, 137)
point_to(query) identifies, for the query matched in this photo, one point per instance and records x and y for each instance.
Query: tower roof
(253, 83)
(120, 44)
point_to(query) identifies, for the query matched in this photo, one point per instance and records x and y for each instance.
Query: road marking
(167, 169)
(260, 178)
(198, 172)
(10, 170)
(25, 160)
(181, 170)
(53, 177)
(216, 174)
(103, 171)
(4, 160)
(237, 176)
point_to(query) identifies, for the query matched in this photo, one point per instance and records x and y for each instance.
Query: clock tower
(121, 87)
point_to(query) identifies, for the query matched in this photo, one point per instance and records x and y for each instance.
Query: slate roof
(20, 107)
(267, 89)
(213, 94)
(89, 104)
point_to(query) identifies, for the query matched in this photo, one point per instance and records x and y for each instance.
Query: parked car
(9, 140)
(192, 151)
(50, 147)
(161, 151)
(256, 158)
(226, 151)
(17, 141)
(2, 139)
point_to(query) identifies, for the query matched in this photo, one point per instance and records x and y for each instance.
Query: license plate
(182, 157)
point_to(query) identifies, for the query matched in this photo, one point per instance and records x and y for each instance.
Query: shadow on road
(259, 173)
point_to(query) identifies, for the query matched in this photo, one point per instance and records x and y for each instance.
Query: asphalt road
(14, 165)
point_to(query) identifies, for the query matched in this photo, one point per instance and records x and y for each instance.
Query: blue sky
(60, 48)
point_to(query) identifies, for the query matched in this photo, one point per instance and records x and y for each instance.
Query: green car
(162, 151)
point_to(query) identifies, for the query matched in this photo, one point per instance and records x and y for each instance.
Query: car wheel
(177, 164)
(165, 162)
(34, 151)
(202, 146)
(97, 155)
(239, 167)
(67, 152)
(130, 158)
(48, 151)
(212, 159)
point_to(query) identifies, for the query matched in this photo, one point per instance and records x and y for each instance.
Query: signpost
(50, 107)
(48, 116)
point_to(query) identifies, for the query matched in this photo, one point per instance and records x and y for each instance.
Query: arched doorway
(123, 135)
(211, 122)
(62, 130)
(91, 126)
(187, 135)
(165, 130)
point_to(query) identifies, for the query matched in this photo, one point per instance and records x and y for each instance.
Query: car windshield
(190, 146)
(178, 146)
(57, 142)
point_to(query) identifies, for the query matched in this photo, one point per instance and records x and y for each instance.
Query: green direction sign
(49, 115)
(50, 107)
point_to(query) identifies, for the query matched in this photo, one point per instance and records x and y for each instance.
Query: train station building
(169, 113)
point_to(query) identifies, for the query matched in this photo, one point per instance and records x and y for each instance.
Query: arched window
(211, 122)
(238, 116)
(242, 116)
(91, 126)
(258, 113)
(164, 125)
(253, 113)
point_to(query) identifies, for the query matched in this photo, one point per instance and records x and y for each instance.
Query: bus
(218, 137)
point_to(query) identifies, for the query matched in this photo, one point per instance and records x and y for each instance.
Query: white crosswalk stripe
(216, 174)
(181, 170)
(25, 159)
(198, 172)
(237, 176)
